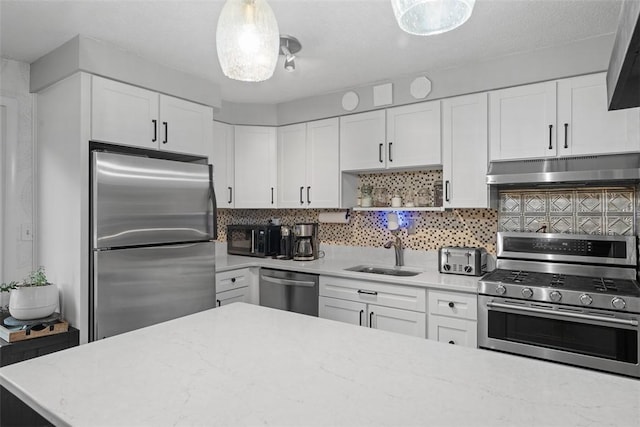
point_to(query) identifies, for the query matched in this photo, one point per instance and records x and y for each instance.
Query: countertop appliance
(305, 242)
(253, 240)
(462, 260)
(290, 291)
(567, 298)
(153, 222)
(286, 243)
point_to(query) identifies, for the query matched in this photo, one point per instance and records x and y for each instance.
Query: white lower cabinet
(360, 303)
(453, 318)
(235, 286)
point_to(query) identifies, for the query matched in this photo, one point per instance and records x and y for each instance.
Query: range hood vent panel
(623, 75)
(586, 170)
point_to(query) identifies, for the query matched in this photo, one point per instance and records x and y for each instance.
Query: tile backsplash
(457, 227)
(606, 211)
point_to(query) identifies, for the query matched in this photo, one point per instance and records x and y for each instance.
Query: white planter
(33, 302)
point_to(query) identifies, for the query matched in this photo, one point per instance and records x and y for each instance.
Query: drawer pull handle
(233, 280)
(361, 313)
(451, 304)
(371, 319)
(360, 291)
(219, 302)
(452, 342)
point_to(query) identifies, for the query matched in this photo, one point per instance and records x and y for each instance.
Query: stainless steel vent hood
(623, 75)
(588, 170)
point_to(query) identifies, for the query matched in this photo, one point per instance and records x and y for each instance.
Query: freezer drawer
(144, 201)
(134, 288)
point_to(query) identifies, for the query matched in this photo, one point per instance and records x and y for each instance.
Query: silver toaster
(467, 261)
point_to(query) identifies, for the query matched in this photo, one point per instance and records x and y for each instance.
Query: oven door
(598, 339)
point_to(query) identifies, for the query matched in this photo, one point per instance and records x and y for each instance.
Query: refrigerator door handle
(212, 197)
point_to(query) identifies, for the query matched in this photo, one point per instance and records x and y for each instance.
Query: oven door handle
(625, 322)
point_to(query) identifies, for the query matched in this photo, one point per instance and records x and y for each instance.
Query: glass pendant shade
(427, 17)
(247, 40)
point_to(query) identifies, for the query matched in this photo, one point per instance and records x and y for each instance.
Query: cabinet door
(342, 311)
(413, 135)
(453, 331)
(453, 304)
(362, 141)
(124, 114)
(185, 127)
(234, 295)
(323, 164)
(465, 141)
(255, 167)
(585, 126)
(221, 157)
(292, 157)
(522, 122)
(399, 321)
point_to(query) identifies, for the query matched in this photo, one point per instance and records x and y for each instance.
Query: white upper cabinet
(323, 164)
(398, 138)
(413, 135)
(255, 167)
(129, 115)
(186, 126)
(124, 114)
(308, 165)
(465, 147)
(522, 122)
(221, 156)
(363, 141)
(585, 126)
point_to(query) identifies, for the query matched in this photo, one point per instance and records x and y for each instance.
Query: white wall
(16, 168)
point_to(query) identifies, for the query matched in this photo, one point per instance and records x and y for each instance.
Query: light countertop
(338, 259)
(249, 365)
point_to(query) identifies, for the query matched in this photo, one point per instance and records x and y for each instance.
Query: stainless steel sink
(383, 270)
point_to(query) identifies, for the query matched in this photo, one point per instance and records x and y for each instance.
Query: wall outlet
(26, 232)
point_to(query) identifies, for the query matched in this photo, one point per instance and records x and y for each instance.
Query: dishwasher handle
(287, 282)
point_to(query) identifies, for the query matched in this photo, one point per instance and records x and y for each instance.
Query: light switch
(26, 232)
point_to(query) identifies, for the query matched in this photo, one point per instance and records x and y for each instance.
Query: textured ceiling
(345, 43)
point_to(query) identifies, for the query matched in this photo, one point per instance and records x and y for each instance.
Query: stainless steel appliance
(566, 298)
(153, 223)
(290, 291)
(462, 260)
(286, 243)
(305, 242)
(253, 240)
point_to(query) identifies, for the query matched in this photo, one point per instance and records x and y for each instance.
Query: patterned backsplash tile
(608, 210)
(458, 227)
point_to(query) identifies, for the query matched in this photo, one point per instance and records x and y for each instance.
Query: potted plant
(34, 298)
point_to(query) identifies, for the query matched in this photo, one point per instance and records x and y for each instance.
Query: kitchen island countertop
(250, 365)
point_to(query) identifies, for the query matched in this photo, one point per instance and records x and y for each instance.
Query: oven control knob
(586, 299)
(501, 290)
(527, 293)
(618, 303)
(468, 269)
(555, 296)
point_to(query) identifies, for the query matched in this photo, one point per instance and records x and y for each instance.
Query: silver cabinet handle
(288, 282)
(564, 314)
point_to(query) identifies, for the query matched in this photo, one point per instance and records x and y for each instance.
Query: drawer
(233, 279)
(453, 331)
(384, 294)
(453, 304)
(234, 295)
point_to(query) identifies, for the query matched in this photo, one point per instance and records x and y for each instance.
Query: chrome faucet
(397, 245)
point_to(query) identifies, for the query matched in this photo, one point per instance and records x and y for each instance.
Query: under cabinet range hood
(587, 170)
(623, 75)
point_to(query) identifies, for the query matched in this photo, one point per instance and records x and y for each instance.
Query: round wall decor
(350, 101)
(420, 87)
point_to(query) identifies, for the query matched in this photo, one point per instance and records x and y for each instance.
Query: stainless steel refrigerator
(153, 226)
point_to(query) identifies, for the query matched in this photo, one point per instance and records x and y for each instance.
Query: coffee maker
(286, 243)
(305, 242)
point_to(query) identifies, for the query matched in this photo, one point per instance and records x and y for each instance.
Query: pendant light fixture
(428, 17)
(247, 40)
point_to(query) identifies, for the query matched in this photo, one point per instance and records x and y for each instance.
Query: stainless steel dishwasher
(287, 290)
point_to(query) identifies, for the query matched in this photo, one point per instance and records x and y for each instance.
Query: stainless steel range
(568, 298)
